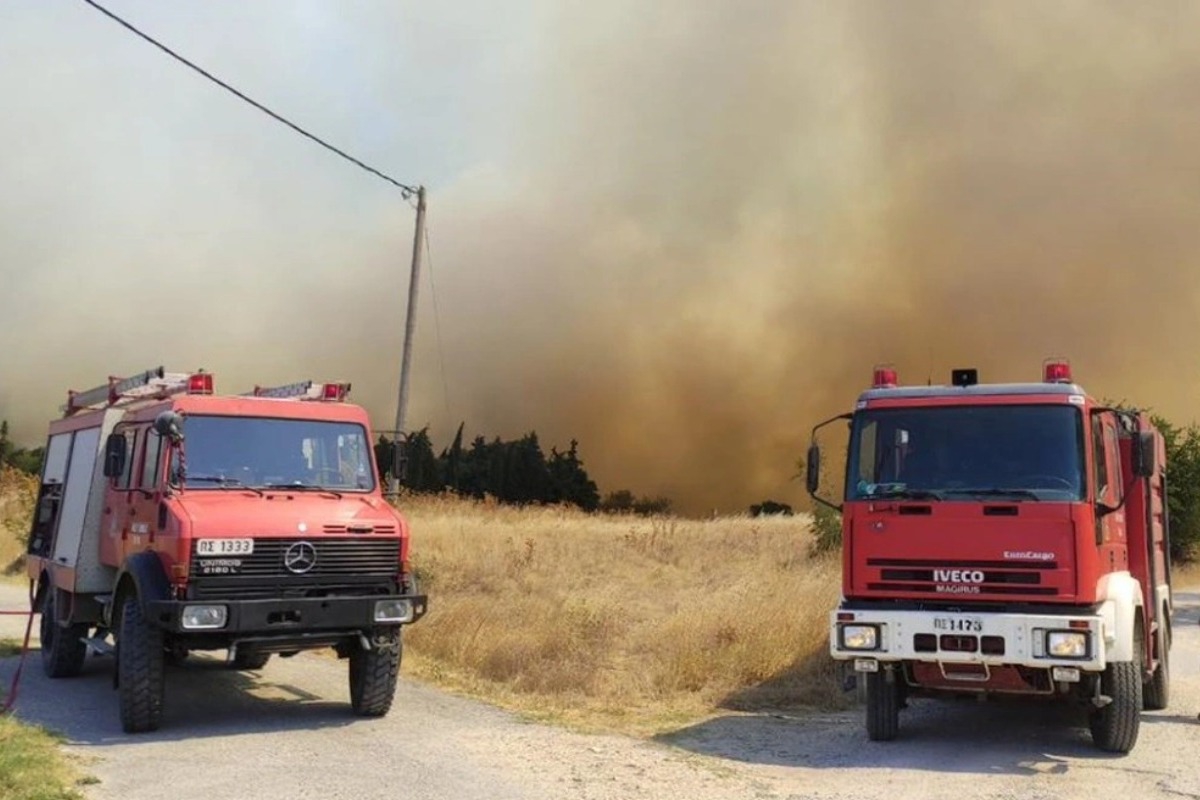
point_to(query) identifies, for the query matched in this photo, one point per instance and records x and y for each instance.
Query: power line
(407, 190)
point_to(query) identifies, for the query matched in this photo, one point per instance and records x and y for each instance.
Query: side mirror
(1145, 455)
(169, 425)
(115, 455)
(812, 473)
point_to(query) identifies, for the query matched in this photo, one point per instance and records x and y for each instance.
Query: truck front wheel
(63, 650)
(373, 674)
(140, 661)
(1115, 725)
(883, 705)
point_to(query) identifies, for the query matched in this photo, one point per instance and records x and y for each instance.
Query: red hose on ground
(11, 699)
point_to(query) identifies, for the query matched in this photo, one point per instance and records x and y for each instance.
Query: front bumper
(969, 638)
(303, 615)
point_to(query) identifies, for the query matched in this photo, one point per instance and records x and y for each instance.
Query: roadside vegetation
(32, 767)
(18, 490)
(621, 621)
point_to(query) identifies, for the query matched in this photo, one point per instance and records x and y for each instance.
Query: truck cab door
(145, 495)
(114, 526)
(1109, 489)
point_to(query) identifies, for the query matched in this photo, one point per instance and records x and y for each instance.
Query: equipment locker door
(84, 449)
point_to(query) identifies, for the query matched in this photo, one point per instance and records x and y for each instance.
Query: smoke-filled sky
(680, 232)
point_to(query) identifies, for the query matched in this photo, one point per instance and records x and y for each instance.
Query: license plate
(965, 624)
(224, 547)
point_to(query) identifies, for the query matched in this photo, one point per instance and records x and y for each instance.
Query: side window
(1113, 448)
(124, 482)
(150, 463)
(1100, 453)
(866, 452)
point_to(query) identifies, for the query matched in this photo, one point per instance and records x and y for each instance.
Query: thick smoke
(683, 234)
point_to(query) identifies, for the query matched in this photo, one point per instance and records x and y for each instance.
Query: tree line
(26, 460)
(517, 471)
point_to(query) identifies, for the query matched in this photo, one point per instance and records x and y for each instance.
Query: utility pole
(410, 324)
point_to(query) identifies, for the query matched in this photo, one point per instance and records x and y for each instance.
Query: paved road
(286, 732)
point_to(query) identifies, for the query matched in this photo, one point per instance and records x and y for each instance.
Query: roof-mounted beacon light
(335, 391)
(1056, 370)
(200, 383)
(885, 377)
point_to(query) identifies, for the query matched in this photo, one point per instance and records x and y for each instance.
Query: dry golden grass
(1185, 575)
(620, 622)
(18, 492)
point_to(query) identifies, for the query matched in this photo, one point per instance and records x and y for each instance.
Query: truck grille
(341, 565)
(962, 577)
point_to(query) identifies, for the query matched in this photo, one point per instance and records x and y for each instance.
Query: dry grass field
(620, 622)
(17, 494)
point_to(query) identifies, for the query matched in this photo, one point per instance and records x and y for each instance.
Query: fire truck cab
(171, 519)
(1003, 539)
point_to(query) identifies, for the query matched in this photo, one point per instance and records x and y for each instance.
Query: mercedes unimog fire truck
(171, 519)
(1003, 539)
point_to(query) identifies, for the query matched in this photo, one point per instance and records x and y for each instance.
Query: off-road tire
(140, 667)
(1115, 727)
(1157, 691)
(883, 705)
(373, 673)
(250, 660)
(63, 650)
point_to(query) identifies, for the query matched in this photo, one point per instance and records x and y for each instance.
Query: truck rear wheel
(1115, 726)
(1157, 692)
(883, 705)
(140, 661)
(63, 650)
(373, 674)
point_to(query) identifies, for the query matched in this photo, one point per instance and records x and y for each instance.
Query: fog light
(1067, 644)
(860, 637)
(1065, 674)
(866, 665)
(203, 617)
(393, 611)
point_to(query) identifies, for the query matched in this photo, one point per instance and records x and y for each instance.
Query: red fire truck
(1003, 539)
(172, 519)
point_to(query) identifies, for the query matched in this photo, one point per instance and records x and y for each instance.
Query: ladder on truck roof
(153, 383)
(303, 390)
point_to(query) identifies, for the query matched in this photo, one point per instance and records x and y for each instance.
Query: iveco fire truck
(1003, 539)
(171, 519)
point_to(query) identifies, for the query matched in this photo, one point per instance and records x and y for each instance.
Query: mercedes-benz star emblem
(300, 558)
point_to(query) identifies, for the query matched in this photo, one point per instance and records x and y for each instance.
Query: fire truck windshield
(254, 452)
(964, 453)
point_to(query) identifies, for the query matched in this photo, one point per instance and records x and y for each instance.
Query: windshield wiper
(997, 491)
(906, 494)
(304, 487)
(224, 483)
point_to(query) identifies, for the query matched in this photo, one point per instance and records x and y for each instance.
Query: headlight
(393, 611)
(860, 637)
(1067, 644)
(204, 617)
